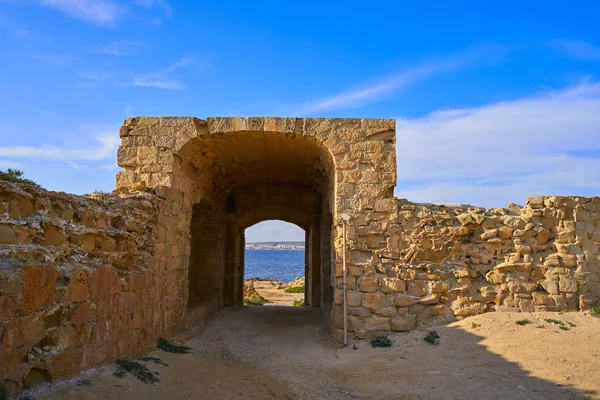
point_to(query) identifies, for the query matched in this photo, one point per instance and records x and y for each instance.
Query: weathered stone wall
(77, 281)
(432, 264)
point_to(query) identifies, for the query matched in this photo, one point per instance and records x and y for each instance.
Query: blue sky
(495, 100)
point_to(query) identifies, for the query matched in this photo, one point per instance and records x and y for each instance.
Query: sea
(282, 265)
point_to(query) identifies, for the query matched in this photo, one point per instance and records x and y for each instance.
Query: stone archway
(218, 175)
(297, 204)
(271, 177)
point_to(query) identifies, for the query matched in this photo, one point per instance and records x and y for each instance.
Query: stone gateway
(87, 280)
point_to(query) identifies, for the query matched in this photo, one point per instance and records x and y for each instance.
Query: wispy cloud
(105, 148)
(166, 78)
(170, 77)
(22, 34)
(53, 58)
(385, 88)
(502, 152)
(577, 49)
(166, 7)
(119, 48)
(99, 12)
(105, 12)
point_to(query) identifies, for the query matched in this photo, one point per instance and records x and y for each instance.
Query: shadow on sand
(294, 346)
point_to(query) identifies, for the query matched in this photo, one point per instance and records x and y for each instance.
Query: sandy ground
(287, 353)
(277, 297)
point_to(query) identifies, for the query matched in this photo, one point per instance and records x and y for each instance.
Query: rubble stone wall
(77, 283)
(432, 264)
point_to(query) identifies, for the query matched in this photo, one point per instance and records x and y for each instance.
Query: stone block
(376, 324)
(39, 282)
(354, 299)
(368, 284)
(417, 289)
(7, 308)
(463, 308)
(403, 323)
(127, 156)
(101, 281)
(567, 285)
(429, 300)
(77, 290)
(542, 299)
(403, 301)
(550, 286)
(392, 285)
(373, 301)
(7, 235)
(82, 314)
(526, 305)
(54, 237)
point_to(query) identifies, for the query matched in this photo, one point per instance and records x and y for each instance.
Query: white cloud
(22, 34)
(167, 78)
(104, 149)
(53, 58)
(164, 78)
(156, 82)
(120, 48)
(578, 49)
(385, 88)
(166, 7)
(502, 152)
(100, 12)
(274, 231)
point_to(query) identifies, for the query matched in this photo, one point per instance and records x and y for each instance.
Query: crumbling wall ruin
(432, 264)
(77, 283)
(84, 281)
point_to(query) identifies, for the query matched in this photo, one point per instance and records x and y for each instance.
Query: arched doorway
(275, 264)
(256, 179)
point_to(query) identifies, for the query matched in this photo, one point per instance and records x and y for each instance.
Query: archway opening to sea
(275, 264)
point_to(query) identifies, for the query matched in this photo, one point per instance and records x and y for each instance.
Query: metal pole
(344, 285)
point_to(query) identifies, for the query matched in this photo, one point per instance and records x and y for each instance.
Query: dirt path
(286, 353)
(271, 291)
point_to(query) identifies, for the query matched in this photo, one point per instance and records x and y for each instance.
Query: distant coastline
(275, 246)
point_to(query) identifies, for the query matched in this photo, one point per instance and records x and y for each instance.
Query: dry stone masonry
(87, 280)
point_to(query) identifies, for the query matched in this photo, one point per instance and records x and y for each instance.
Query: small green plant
(432, 337)
(381, 341)
(154, 360)
(294, 289)
(84, 382)
(165, 345)
(255, 300)
(523, 322)
(96, 192)
(596, 310)
(15, 176)
(3, 392)
(136, 369)
(299, 303)
(541, 326)
(560, 324)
